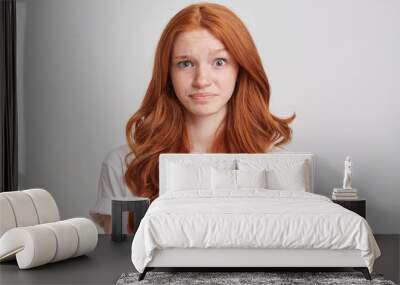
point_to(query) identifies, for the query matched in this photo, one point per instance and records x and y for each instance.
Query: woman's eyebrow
(181, 56)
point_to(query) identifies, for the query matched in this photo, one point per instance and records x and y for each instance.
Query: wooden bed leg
(143, 274)
(364, 271)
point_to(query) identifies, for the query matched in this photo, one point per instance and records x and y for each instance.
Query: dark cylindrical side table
(137, 205)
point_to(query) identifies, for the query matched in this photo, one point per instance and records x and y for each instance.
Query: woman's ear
(170, 87)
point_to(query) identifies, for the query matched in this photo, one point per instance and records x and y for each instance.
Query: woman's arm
(104, 221)
(111, 186)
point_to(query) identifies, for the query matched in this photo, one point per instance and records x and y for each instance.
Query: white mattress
(250, 218)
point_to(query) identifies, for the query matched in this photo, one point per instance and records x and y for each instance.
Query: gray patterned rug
(270, 278)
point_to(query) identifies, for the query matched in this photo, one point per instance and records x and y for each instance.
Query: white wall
(86, 64)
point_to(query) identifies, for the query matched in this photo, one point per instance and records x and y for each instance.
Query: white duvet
(250, 218)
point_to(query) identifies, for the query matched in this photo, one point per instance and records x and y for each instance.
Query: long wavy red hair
(158, 126)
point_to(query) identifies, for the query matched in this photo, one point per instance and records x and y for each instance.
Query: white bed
(200, 223)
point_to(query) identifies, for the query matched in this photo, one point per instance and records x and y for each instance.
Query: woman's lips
(202, 96)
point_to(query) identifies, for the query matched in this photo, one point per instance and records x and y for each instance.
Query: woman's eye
(184, 63)
(220, 61)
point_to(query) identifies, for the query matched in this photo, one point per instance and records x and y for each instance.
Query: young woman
(208, 93)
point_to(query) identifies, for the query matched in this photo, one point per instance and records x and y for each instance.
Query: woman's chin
(203, 112)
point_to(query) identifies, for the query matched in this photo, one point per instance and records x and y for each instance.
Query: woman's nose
(201, 78)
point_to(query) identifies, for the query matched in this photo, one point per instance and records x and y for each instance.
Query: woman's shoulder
(117, 155)
(275, 149)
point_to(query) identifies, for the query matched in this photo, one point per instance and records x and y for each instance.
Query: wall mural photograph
(179, 142)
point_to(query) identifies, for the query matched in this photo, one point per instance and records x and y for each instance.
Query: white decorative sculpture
(347, 173)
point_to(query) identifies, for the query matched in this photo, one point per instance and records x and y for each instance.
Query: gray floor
(110, 260)
(102, 266)
(389, 262)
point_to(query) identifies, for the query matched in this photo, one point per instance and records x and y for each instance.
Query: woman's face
(203, 72)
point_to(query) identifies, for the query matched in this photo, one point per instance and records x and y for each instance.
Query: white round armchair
(31, 230)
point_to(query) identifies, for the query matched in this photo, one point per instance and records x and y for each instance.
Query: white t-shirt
(111, 182)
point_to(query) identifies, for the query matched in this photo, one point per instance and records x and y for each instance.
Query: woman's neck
(202, 129)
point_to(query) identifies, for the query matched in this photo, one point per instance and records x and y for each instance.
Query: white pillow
(282, 174)
(236, 179)
(252, 178)
(288, 179)
(183, 177)
(223, 179)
